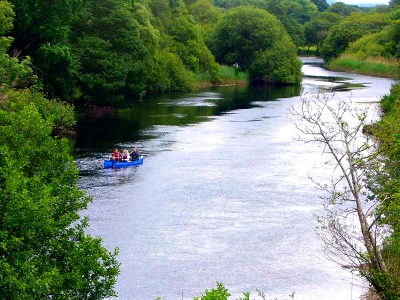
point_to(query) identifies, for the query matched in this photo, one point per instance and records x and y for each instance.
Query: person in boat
(135, 153)
(116, 155)
(125, 155)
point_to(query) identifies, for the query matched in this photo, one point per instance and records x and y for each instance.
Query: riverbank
(206, 84)
(229, 75)
(379, 67)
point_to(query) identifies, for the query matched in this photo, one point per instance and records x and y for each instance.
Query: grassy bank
(307, 51)
(371, 66)
(229, 76)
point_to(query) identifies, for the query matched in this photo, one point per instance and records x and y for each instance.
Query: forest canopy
(115, 52)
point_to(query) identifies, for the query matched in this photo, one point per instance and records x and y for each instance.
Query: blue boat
(121, 164)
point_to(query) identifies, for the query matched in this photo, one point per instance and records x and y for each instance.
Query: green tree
(44, 250)
(13, 73)
(297, 13)
(387, 130)
(321, 4)
(60, 114)
(169, 73)
(111, 56)
(317, 29)
(383, 44)
(343, 9)
(292, 13)
(206, 15)
(244, 33)
(41, 31)
(349, 30)
(221, 293)
(279, 64)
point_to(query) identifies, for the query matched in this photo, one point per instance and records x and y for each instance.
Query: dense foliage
(254, 40)
(115, 52)
(349, 30)
(388, 133)
(45, 252)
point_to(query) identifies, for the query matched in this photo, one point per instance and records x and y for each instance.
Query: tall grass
(228, 75)
(370, 66)
(233, 73)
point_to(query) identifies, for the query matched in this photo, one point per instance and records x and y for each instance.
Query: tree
(349, 30)
(343, 9)
(279, 64)
(206, 15)
(13, 73)
(293, 15)
(317, 29)
(380, 45)
(45, 252)
(360, 193)
(111, 56)
(41, 31)
(246, 32)
(321, 4)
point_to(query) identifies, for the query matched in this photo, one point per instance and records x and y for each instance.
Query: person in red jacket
(116, 155)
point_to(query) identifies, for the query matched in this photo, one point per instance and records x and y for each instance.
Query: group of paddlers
(125, 156)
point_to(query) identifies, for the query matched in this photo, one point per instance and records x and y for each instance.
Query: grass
(229, 76)
(308, 51)
(233, 73)
(371, 66)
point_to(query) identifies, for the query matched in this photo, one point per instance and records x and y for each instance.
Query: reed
(233, 73)
(371, 66)
(229, 75)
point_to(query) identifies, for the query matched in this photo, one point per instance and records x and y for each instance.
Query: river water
(223, 195)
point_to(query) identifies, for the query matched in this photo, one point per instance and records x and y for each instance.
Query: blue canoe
(121, 164)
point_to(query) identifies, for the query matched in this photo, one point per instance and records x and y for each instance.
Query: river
(223, 195)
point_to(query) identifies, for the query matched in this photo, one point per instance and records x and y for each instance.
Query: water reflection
(100, 129)
(223, 193)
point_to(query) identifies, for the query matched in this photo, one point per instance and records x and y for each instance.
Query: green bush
(277, 65)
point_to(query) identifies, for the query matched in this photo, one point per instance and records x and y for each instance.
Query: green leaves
(44, 250)
(220, 293)
(6, 17)
(277, 65)
(255, 40)
(111, 55)
(349, 30)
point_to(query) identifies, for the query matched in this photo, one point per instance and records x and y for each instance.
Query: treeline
(113, 52)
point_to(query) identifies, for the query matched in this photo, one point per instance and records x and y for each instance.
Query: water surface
(223, 194)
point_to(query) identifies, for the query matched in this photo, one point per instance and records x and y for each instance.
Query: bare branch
(338, 128)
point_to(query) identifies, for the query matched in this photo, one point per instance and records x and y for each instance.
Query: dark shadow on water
(102, 129)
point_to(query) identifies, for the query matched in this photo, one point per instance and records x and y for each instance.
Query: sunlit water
(223, 195)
